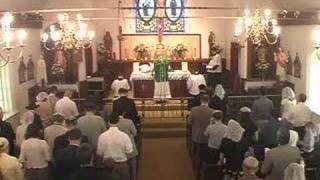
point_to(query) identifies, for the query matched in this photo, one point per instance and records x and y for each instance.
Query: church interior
(160, 89)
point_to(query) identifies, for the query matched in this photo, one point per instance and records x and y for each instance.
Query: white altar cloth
(175, 75)
(258, 84)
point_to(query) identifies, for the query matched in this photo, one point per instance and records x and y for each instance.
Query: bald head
(68, 93)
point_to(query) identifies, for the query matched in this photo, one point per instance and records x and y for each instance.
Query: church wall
(300, 39)
(20, 91)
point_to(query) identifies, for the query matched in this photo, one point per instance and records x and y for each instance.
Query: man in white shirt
(214, 69)
(300, 115)
(193, 83)
(66, 107)
(118, 84)
(115, 146)
(215, 131)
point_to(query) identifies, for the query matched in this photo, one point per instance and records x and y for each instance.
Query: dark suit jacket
(200, 118)
(7, 132)
(90, 173)
(66, 162)
(62, 142)
(125, 105)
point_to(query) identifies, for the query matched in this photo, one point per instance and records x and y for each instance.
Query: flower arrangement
(263, 66)
(57, 69)
(142, 52)
(179, 52)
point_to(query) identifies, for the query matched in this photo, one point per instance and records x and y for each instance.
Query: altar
(143, 84)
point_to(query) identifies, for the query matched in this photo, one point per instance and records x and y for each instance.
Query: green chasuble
(161, 69)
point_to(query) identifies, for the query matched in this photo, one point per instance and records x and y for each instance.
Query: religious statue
(290, 65)
(59, 66)
(173, 6)
(262, 65)
(281, 58)
(108, 42)
(145, 7)
(211, 41)
(30, 68)
(297, 66)
(22, 71)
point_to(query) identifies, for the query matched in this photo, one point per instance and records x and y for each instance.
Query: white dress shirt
(216, 60)
(67, 108)
(300, 115)
(216, 133)
(35, 153)
(193, 83)
(117, 84)
(114, 144)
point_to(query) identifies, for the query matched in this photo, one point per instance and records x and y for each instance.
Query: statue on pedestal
(212, 42)
(108, 45)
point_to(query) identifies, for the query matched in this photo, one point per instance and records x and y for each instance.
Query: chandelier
(68, 35)
(7, 38)
(259, 28)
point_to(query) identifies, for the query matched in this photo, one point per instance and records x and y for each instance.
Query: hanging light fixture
(7, 38)
(259, 28)
(68, 35)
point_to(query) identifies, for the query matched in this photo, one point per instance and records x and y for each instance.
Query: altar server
(214, 69)
(193, 83)
(119, 83)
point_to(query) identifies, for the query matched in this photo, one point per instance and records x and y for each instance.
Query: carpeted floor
(165, 159)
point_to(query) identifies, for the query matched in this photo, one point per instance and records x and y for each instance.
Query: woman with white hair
(10, 168)
(250, 167)
(233, 149)
(219, 100)
(288, 102)
(294, 171)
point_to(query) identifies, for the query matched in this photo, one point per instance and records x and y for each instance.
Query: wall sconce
(316, 35)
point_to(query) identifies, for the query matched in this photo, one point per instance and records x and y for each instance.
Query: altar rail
(178, 107)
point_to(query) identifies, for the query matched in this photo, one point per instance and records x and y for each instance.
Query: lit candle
(22, 36)
(8, 37)
(45, 37)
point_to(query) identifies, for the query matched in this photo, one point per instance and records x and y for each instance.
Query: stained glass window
(172, 13)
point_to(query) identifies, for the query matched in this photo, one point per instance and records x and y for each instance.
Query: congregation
(56, 141)
(259, 144)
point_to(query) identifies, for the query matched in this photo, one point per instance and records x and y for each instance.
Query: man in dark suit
(199, 118)
(65, 159)
(126, 106)
(277, 159)
(62, 141)
(85, 156)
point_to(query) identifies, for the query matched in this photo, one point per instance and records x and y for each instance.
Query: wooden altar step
(165, 128)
